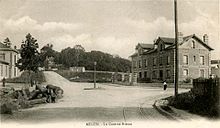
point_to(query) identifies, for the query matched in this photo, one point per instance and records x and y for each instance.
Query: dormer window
(193, 44)
(161, 47)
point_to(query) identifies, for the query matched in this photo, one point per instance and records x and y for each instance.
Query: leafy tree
(77, 56)
(46, 53)
(29, 55)
(79, 48)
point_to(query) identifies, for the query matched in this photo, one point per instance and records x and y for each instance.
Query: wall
(207, 95)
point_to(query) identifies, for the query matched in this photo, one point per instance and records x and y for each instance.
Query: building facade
(77, 69)
(156, 61)
(8, 59)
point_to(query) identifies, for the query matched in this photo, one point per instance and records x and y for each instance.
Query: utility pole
(176, 49)
(95, 74)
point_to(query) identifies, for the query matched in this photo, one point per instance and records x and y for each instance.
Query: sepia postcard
(110, 63)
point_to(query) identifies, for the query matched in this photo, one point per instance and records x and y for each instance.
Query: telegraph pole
(176, 49)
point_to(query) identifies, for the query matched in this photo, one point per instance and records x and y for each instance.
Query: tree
(7, 42)
(46, 53)
(29, 55)
(77, 56)
(79, 48)
(47, 50)
(78, 51)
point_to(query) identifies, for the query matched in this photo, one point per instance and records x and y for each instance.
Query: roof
(133, 55)
(150, 51)
(4, 62)
(166, 40)
(215, 61)
(171, 42)
(145, 46)
(204, 44)
(3, 47)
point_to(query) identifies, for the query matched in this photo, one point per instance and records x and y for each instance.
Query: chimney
(180, 37)
(205, 39)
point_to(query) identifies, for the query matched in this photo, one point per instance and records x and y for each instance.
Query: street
(109, 103)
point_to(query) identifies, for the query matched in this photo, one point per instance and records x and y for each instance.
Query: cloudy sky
(112, 26)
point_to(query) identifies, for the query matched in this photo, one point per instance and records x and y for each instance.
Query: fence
(207, 92)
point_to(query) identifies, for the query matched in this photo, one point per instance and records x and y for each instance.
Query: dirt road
(111, 103)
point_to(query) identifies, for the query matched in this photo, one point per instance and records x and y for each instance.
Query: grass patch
(25, 78)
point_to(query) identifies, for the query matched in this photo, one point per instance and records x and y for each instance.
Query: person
(164, 85)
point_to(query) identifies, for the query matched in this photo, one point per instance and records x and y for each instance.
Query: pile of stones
(13, 100)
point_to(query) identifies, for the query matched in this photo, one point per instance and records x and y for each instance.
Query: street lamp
(95, 63)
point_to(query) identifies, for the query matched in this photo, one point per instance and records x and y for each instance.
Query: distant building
(156, 61)
(215, 70)
(8, 59)
(215, 63)
(77, 69)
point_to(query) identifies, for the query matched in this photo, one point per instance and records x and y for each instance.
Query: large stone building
(8, 58)
(156, 61)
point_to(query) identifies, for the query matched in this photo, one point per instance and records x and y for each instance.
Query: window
(168, 60)
(139, 63)
(161, 47)
(193, 44)
(168, 74)
(145, 74)
(154, 75)
(154, 61)
(161, 60)
(2, 56)
(140, 75)
(15, 59)
(135, 64)
(185, 59)
(15, 72)
(6, 70)
(202, 61)
(202, 73)
(185, 72)
(194, 58)
(11, 57)
(145, 63)
(1, 69)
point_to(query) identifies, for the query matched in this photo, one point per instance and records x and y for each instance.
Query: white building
(8, 59)
(77, 69)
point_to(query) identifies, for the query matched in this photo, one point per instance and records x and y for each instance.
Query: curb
(160, 109)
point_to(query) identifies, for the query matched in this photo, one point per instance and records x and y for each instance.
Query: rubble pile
(12, 100)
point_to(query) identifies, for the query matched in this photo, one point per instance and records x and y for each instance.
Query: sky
(111, 26)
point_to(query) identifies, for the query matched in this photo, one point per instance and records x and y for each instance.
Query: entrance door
(161, 75)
